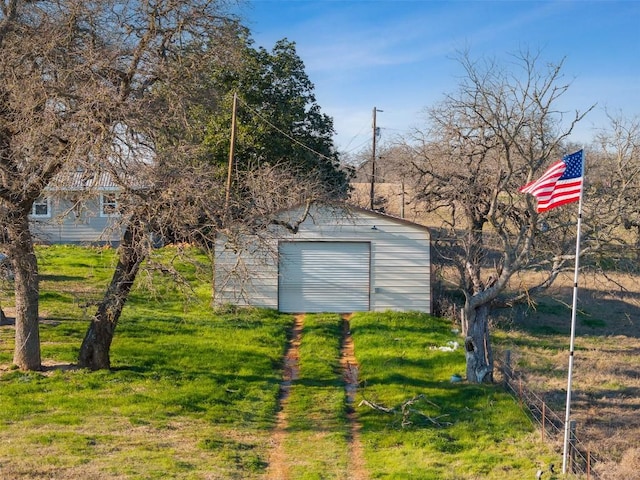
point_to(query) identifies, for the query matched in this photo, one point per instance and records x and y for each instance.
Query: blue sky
(398, 55)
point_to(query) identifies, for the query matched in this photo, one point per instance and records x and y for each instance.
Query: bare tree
(45, 120)
(498, 131)
(76, 78)
(616, 178)
(179, 191)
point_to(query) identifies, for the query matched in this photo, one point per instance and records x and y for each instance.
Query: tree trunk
(96, 346)
(478, 344)
(26, 286)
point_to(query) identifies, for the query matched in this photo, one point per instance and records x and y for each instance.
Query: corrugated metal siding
(82, 181)
(402, 273)
(400, 263)
(99, 180)
(323, 277)
(248, 277)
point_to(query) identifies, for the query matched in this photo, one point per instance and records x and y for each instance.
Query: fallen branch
(406, 411)
(375, 406)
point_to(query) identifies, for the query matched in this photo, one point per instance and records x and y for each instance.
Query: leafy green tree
(278, 119)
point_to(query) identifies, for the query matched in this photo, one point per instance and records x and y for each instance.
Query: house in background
(78, 208)
(340, 259)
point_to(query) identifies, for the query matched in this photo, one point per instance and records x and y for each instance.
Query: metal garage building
(341, 259)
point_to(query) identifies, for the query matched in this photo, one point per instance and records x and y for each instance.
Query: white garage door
(323, 276)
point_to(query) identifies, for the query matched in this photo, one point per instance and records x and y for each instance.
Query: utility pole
(402, 199)
(373, 159)
(232, 146)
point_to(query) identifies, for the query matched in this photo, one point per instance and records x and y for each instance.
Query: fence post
(572, 446)
(507, 368)
(520, 390)
(589, 464)
(544, 414)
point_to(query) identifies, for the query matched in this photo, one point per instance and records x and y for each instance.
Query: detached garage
(340, 259)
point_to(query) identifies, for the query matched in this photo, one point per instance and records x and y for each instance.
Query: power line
(360, 145)
(285, 134)
(353, 138)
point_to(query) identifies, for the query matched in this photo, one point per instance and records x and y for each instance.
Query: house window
(41, 208)
(109, 205)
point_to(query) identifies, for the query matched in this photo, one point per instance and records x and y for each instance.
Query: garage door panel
(324, 276)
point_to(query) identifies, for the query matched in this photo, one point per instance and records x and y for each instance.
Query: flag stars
(574, 166)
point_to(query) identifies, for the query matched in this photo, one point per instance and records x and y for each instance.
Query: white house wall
(64, 226)
(400, 260)
(248, 277)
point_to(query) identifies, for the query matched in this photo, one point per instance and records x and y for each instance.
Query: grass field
(606, 375)
(193, 393)
(456, 431)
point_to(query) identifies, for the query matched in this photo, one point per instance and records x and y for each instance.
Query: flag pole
(573, 330)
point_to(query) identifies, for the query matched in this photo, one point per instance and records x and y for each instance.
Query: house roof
(83, 180)
(355, 208)
(403, 221)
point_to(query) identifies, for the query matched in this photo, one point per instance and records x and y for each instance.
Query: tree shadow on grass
(50, 367)
(62, 278)
(599, 312)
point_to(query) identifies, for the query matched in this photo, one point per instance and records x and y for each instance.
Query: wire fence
(580, 460)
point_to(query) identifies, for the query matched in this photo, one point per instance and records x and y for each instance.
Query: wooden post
(572, 446)
(589, 464)
(520, 390)
(507, 368)
(232, 146)
(372, 191)
(544, 414)
(402, 199)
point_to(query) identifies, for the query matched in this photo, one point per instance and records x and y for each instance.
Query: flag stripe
(560, 184)
(548, 180)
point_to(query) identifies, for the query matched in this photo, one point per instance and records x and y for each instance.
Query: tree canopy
(279, 121)
(278, 162)
(142, 92)
(498, 131)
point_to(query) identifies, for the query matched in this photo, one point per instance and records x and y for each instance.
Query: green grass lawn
(316, 444)
(193, 393)
(456, 430)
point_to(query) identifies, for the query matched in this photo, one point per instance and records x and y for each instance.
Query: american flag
(560, 184)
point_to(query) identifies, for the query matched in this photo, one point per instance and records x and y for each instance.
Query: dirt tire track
(277, 469)
(356, 469)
